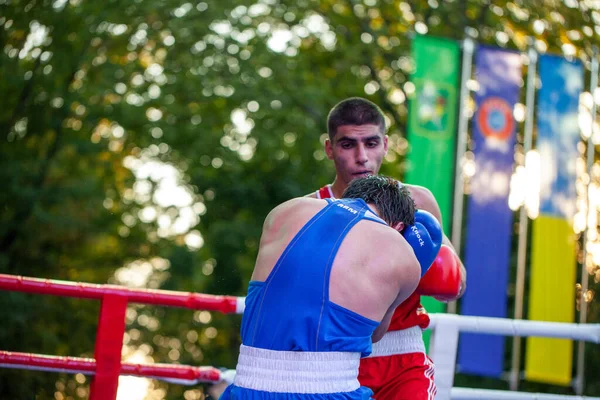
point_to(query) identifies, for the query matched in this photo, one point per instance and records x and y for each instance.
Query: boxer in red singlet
(398, 368)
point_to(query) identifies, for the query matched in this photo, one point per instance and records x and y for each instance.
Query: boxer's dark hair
(354, 111)
(392, 199)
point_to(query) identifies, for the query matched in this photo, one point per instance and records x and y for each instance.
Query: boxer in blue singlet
(328, 276)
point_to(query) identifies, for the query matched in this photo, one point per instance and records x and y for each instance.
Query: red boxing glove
(442, 280)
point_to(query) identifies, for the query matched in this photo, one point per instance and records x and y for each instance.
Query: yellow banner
(551, 298)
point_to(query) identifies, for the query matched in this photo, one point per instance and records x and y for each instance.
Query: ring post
(442, 350)
(109, 343)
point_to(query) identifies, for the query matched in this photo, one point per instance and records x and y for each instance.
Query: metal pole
(580, 376)
(461, 146)
(523, 221)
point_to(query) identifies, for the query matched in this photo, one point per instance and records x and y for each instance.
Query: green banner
(433, 108)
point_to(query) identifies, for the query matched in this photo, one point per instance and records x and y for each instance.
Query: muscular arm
(407, 273)
(385, 322)
(410, 280)
(425, 200)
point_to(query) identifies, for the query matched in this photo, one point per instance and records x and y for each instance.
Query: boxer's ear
(399, 226)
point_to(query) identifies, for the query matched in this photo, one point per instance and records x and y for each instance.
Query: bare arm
(385, 323)
(425, 200)
(408, 273)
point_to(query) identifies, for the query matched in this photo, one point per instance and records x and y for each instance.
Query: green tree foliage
(106, 102)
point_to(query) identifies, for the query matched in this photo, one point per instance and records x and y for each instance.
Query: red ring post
(109, 343)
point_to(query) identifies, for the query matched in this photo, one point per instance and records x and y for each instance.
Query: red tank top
(410, 312)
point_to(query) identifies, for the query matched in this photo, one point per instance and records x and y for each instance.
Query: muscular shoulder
(298, 202)
(294, 205)
(392, 244)
(424, 200)
(402, 263)
(420, 193)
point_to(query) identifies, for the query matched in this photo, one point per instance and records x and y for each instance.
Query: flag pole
(523, 219)
(461, 147)
(580, 374)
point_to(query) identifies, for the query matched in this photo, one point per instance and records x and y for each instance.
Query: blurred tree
(144, 142)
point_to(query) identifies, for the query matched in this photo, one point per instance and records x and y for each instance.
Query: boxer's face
(357, 151)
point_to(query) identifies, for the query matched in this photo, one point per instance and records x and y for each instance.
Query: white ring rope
(517, 327)
(487, 394)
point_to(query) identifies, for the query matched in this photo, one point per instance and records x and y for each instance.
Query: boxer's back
(326, 274)
(366, 271)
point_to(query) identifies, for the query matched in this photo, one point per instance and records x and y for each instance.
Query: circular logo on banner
(495, 118)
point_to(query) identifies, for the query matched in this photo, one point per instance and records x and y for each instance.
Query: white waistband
(297, 372)
(400, 342)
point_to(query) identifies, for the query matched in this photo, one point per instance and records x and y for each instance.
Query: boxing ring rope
(443, 346)
(180, 374)
(195, 301)
(107, 366)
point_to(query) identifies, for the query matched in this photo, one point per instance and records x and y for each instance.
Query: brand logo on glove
(416, 232)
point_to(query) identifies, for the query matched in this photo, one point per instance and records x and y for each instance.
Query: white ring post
(240, 305)
(443, 346)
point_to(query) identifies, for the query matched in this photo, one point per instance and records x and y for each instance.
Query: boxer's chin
(361, 175)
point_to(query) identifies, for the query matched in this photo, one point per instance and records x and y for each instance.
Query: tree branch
(23, 97)
(385, 103)
(24, 213)
(483, 14)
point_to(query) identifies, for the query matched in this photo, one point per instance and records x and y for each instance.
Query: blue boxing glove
(425, 237)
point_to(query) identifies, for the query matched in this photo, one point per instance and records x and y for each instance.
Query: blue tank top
(291, 310)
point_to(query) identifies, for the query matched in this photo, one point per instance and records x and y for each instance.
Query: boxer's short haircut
(354, 111)
(393, 201)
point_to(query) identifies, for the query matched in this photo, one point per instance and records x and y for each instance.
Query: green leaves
(100, 100)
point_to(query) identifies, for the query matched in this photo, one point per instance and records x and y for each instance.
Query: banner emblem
(495, 118)
(435, 102)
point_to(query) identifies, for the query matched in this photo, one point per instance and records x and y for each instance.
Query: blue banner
(553, 258)
(489, 219)
(558, 134)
